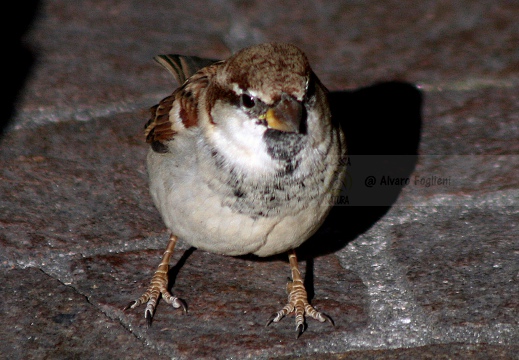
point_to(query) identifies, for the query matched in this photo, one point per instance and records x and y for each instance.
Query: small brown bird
(244, 159)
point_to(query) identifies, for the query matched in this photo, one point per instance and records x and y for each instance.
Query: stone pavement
(424, 272)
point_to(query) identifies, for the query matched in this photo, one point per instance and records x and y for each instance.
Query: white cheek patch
(240, 139)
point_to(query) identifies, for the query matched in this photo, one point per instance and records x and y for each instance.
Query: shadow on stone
(174, 270)
(384, 122)
(19, 59)
(309, 278)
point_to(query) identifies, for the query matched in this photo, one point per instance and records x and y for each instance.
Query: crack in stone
(118, 319)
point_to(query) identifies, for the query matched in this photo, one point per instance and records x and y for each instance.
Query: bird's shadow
(382, 124)
(174, 270)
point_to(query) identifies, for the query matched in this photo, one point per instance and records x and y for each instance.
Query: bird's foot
(151, 297)
(299, 305)
(159, 286)
(298, 302)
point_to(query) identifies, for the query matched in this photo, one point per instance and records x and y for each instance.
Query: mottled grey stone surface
(42, 318)
(433, 272)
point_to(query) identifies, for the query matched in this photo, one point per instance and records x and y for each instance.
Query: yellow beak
(285, 115)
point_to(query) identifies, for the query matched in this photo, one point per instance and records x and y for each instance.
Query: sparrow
(244, 159)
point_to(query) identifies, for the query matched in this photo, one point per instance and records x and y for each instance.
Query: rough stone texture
(478, 284)
(450, 351)
(81, 185)
(429, 272)
(43, 318)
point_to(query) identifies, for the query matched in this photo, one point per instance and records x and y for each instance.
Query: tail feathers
(182, 67)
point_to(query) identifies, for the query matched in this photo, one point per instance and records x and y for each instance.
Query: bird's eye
(247, 101)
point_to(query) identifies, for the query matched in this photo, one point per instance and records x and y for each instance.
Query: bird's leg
(158, 286)
(298, 300)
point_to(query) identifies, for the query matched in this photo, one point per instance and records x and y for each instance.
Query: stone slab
(430, 273)
(44, 319)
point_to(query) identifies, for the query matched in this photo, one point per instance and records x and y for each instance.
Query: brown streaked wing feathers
(159, 128)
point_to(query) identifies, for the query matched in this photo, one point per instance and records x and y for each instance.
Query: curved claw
(274, 318)
(300, 329)
(180, 303)
(327, 318)
(148, 315)
(130, 305)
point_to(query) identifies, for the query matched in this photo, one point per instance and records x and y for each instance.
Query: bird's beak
(285, 115)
